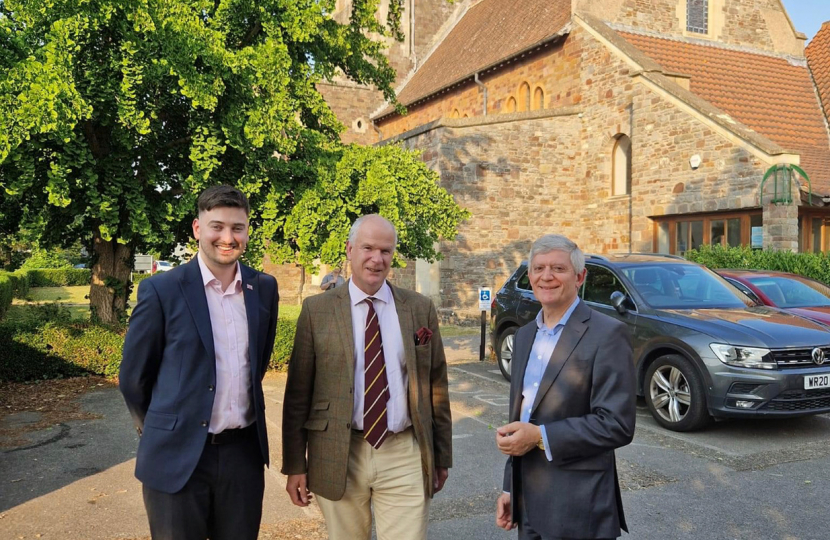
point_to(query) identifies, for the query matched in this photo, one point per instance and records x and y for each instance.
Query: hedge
(45, 343)
(61, 277)
(6, 293)
(812, 265)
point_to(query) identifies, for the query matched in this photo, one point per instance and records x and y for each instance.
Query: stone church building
(627, 125)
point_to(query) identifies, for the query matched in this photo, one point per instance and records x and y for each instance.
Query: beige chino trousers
(389, 482)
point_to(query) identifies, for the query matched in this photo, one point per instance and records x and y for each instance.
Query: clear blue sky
(807, 15)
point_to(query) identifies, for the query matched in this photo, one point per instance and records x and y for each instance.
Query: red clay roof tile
(767, 94)
(489, 31)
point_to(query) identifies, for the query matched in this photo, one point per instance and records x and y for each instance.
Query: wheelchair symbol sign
(485, 296)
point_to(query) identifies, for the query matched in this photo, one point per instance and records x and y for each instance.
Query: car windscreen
(787, 292)
(683, 286)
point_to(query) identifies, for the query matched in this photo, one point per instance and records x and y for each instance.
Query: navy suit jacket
(168, 369)
(587, 403)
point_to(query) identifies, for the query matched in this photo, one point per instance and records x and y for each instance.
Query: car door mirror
(618, 301)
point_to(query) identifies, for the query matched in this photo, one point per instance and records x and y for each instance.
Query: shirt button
(539, 357)
(203, 423)
(210, 388)
(535, 384)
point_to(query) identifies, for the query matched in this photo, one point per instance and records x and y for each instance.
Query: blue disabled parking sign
(485, 296)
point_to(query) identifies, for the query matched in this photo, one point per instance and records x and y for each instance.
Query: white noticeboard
(143, 263)
(757, 237)
(485, 296)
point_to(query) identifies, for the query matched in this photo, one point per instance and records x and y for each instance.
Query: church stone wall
(554, 70)
(758, 24)
(531, 176)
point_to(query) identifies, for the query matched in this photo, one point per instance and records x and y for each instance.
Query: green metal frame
(786, 196)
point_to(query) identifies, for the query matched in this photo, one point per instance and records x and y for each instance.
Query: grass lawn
(64, 295)
(18, 312)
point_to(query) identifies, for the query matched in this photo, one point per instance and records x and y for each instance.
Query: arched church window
(455, 114)
(538, 98)
(621, 166)
(524, 97)
(511, 105)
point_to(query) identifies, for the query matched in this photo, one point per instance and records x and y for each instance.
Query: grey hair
(558, 242)
(359, 221)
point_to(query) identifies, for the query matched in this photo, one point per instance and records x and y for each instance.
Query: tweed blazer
(318, 404)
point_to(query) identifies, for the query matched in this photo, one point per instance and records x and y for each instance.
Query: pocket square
(423, 336)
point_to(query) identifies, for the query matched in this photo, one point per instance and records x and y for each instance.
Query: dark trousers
(221, 501)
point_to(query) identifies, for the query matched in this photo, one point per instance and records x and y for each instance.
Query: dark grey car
(702, 349)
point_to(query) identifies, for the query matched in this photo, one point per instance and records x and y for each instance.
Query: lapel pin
(249, 286)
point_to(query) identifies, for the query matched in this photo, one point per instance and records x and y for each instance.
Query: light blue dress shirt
(543, 346)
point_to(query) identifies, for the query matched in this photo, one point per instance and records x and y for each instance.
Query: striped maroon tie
(376, 392)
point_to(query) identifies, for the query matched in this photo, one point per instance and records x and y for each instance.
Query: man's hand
(517, 438)
(504, 517)
(297, 490)
(441, 474)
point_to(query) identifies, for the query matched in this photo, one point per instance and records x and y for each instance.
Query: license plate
(812, 382)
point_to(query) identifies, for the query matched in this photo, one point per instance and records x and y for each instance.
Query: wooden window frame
(805, 220)
(707, 219)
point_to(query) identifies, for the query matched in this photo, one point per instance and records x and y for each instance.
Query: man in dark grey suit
(572, 403)
(198, 345)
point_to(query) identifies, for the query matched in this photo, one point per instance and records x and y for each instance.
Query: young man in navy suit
(198, 345)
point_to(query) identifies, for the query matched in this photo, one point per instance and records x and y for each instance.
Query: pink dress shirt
(397, 408)
(229, 321)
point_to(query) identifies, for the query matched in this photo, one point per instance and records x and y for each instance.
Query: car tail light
(493, 304)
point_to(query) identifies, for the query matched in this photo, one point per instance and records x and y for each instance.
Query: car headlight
(747, 357)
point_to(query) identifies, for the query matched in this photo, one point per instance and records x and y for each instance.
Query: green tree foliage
(47, 258)
(115, 114)
(388, 180)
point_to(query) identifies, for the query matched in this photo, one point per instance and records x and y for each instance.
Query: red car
(797, 294)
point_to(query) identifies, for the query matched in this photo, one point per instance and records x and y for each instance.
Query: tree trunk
(302, 285)
(110, 277)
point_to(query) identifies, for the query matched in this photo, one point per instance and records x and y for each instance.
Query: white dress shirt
(229, 322)
(397, 409)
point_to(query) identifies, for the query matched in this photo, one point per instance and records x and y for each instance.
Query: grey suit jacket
(318, 404)
(586, 401)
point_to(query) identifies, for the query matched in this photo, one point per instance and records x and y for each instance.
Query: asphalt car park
(737, 479)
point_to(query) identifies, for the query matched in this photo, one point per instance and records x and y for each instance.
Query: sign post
(484, 300)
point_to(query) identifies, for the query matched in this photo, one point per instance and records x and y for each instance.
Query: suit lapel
(193, 290)
(523, 343)
(250, 290)
(343, 312)
(571, 334)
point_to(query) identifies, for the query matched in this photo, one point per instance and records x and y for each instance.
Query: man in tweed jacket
(327, 449)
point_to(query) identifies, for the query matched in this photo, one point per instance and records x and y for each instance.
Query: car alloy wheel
(670, 393)
(505, 352)
(675, 394)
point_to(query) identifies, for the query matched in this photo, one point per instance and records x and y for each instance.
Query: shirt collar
(208, 277)
(357, 296)
(540, 318)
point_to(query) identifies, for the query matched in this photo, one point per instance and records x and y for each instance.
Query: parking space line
(480, 376)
